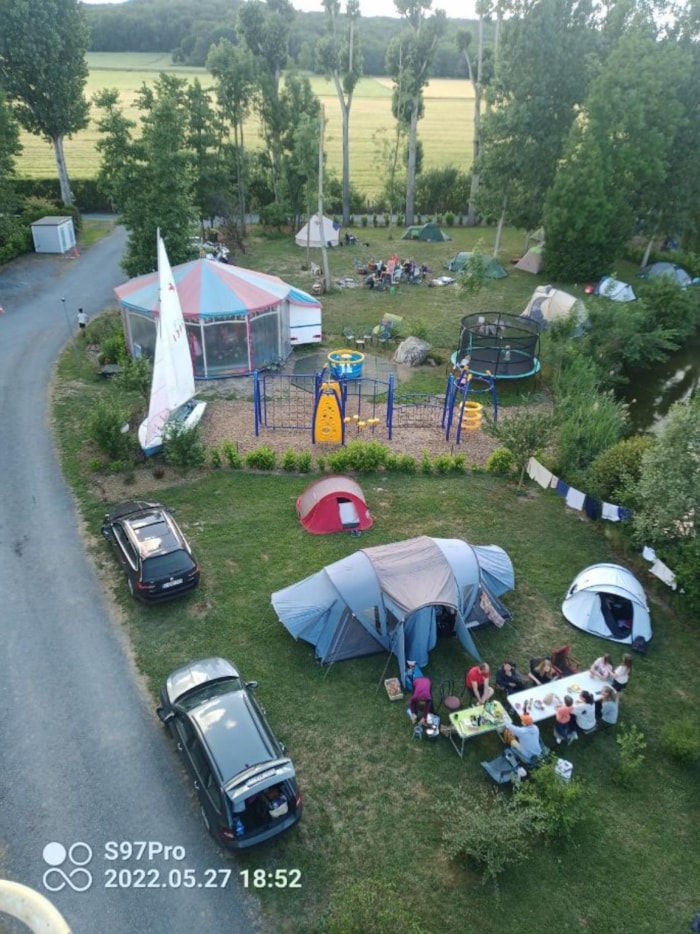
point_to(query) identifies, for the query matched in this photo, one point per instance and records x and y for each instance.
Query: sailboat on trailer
(172, 402)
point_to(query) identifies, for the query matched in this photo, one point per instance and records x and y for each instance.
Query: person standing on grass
(621, 674)
(477, 681)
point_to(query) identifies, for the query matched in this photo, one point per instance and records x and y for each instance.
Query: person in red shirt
(477, 681)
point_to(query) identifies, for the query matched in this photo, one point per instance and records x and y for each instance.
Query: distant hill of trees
(187, 28)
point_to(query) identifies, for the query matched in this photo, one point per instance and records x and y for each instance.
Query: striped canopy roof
(208, 289)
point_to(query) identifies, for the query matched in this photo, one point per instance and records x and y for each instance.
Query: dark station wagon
(245, 781)
(156, 556)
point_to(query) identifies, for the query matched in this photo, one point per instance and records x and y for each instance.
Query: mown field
(370, 843)
(446, 130)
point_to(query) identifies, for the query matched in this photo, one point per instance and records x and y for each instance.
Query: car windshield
(176, 562)
(207, 691)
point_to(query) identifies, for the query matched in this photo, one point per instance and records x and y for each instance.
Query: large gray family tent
(388, 598)
(548, 304)
(490, 268)
(428, 233)
(607, 600)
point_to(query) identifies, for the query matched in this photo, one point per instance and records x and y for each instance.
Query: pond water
(652, 391)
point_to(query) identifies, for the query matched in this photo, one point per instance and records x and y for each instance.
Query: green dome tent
(428, 233)
(492, 269)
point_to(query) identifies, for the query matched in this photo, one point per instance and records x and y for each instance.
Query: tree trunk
(501, 225)
(345, 113)
(647, 252)
(471, 210)
(324, 248)
(66, 193)
(411, 170)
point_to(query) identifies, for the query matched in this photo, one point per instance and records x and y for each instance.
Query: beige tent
(317, 232)
(549, 304)
(533, 261)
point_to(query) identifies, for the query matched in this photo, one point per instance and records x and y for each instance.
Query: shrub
(616, 471)
(632, 744)
(681, 740)
(289, 461)
(232, 455)
(304, 462)
(105, 428)
(556, 806)
(183, 448)
(487, 830)
(322, 464)
(501, 462)
(135, 375)
(363, 220)
(443, 463)
(113, 349)
(450, 219)
(262, 458)
(95, 464)
(459, 463)
(158, 472)
(366, 456)
(215, 458)
(426, 465)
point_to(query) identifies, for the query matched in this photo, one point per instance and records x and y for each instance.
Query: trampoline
(498, 344)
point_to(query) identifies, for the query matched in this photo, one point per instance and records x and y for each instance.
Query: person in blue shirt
(526, 737)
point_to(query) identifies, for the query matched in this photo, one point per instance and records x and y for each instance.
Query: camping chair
(503, 770)
(348, 335)
(542, 756)
(384, 335)
(449, 699)
(564, 662)
(315, 269)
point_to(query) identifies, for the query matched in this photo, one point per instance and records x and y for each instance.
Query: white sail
(173, 376)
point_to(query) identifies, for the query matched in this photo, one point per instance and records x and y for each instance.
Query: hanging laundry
(592, 507)
(562, 488)
(624, 513)
(610, 512)
(554, 482)
(664, 573)
(539, 473)
(575, 498)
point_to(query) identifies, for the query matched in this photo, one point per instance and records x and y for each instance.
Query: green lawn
(446, 130)
(371, 791)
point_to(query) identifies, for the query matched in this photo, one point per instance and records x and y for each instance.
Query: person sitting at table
(509, 679)
(526, 738)
(603, 669)
(562, 719)
(584, 712)
(477, 681)
(542, 671)
(608, 706)
(421, 700)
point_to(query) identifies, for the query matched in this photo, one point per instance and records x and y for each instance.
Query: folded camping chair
(543, 755)
(503, 769)
(564, 662)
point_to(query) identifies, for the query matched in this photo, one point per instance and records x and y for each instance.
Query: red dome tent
(333, 504)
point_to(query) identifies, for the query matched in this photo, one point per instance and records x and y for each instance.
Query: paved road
(83, 757)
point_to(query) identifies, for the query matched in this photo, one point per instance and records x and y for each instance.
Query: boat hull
(187, 416)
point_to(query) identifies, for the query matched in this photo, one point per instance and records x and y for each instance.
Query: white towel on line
(575, 498)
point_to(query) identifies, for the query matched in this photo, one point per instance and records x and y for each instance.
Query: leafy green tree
(265, 27)
(233, 68)
(409, 60)
(542, 74)
(10, 230)
(523, 434)
(668, 491)
(43, 71)
(150, 179)
(204, 138)
(340, 56)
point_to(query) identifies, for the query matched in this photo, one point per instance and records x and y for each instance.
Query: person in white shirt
(609, 707)
(584, 712)
(602, 668)
(621, 674)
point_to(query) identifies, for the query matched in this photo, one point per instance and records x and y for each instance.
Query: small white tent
(317, 232)
(533, 261)
(615, 290)
(547, 304)
(607, 600)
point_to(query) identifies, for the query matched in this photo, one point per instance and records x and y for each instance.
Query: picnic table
(475, 721)
(543, 699)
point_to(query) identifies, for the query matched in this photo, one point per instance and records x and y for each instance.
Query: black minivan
(246, 783)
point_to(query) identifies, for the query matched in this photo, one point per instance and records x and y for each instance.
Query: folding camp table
(475, 721)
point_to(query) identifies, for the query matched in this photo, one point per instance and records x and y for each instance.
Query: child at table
(609, 706)
(562, 720)
(602, 668)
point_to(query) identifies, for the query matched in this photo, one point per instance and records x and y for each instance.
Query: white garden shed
(53, 234)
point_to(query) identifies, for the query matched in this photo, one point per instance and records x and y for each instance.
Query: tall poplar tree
(43, 70)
